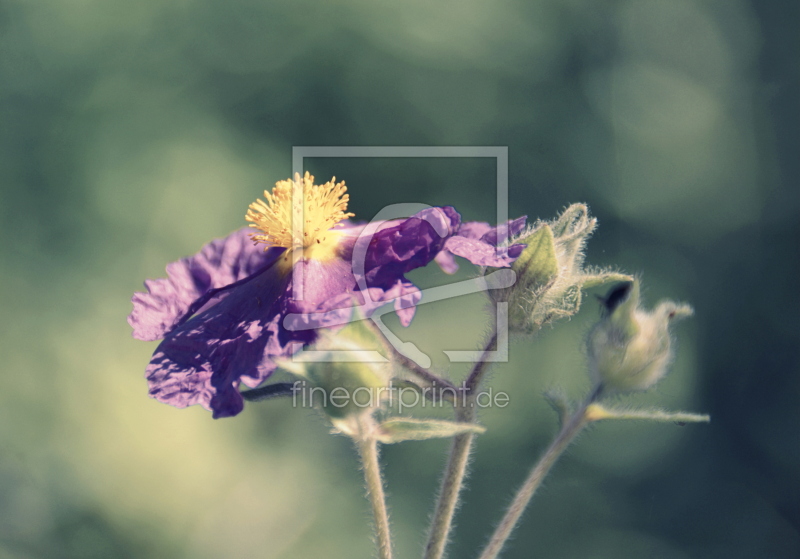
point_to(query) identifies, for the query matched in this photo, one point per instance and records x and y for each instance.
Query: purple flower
(221, 312)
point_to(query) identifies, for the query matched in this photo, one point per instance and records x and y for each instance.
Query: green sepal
(399, 429)
(623, 317)
(571, 230)
(573, 221)
(537, 266)
(600, 278)
(598, 412)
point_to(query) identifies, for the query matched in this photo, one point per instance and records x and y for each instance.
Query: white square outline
(499, 153)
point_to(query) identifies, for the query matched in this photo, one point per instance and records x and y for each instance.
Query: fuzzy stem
(480, 368)
(457, 462)
(428, 377)
(368, 451)
(449, 491)
(568, 432)
(425, 375)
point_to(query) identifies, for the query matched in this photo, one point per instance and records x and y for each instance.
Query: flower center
(317, 207)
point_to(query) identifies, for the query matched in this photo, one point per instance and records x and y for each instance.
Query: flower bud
(630, 348)
(550, 274)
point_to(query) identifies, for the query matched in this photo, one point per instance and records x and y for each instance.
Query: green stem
(449, 491)
(368, 451)
(479, 369)
(457, 462)
(568, 432)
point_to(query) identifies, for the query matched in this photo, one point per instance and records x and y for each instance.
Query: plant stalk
(425, 375)
(568, 432)
(368, 451)
(457, 462)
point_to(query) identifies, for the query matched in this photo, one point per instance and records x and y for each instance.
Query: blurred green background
(131, 133)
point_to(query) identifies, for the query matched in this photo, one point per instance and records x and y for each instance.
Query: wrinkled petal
(474, 229)
(481, 253)
(334, 313)
(406, 296)
(204, 359)
(220, 263)
(477, 242)
(504, 232)
(447, 262)
(411, 244)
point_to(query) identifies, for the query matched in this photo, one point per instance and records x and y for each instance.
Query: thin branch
(480, 368)
(424, 374)
(368, 451)
(275, 390)
(457, 462)
(448, 388)
(568, 432)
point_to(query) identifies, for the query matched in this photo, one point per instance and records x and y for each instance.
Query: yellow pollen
(323, 206)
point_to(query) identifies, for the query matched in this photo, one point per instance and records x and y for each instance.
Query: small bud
(630, 348)
(550, 274)
(537, 271)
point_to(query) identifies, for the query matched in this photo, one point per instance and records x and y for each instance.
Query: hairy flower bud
(630, 348)
(550, 273)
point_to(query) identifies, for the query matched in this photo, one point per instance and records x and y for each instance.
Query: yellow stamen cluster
(323, 206)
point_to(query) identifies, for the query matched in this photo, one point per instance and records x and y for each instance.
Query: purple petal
(406, 303)
(412, 243)
(476, 241)
(304, 318)
(203, 360)
(406, 295)
(220, 263)
(505, 231)
(473, 229)
(515, 250)
(481, 253)
(446, 262)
